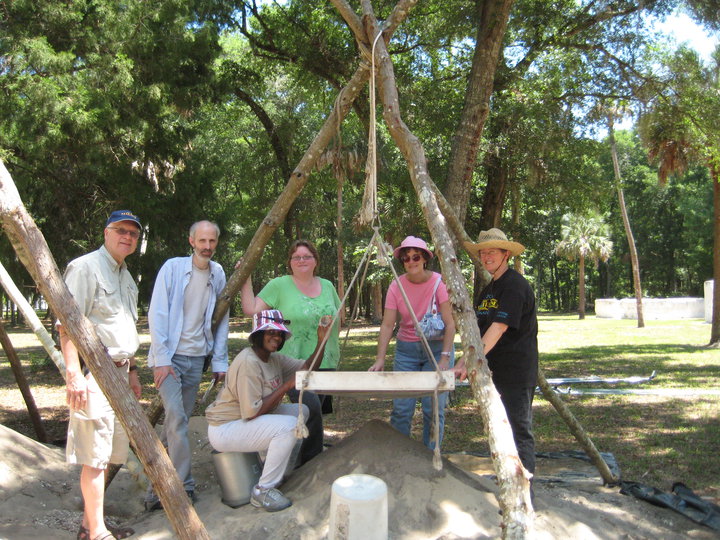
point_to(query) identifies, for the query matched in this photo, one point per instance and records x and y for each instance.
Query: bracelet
(133, 368)
(444, 353)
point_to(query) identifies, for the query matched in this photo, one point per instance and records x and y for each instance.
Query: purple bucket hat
(270, 319)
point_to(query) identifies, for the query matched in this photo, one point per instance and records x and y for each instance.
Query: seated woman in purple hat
(248, 415)
(422, 287)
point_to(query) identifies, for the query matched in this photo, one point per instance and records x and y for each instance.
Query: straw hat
(494, 238)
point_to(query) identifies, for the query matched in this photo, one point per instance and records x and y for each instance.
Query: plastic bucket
(358, 508)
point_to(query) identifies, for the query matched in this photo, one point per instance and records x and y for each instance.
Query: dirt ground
(40, 496)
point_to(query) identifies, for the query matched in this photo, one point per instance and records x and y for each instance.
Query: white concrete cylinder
(358, 508)
(709, 299)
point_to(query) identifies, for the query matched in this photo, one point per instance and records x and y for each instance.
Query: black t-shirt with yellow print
(510, 300)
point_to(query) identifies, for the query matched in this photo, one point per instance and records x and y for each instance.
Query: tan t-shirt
(247, 382)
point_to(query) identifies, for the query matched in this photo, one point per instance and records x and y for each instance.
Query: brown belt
(121, 363)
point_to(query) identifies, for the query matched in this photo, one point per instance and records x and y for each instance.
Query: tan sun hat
(494, 238)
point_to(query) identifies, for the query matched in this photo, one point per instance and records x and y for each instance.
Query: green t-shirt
(304, 314)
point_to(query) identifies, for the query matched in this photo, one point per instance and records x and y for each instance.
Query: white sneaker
(269, 499)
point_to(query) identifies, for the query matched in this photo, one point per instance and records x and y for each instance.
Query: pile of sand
(40, 496)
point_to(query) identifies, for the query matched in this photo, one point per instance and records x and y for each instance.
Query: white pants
(272, 432)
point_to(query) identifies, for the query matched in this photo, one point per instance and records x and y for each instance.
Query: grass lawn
(656, 439)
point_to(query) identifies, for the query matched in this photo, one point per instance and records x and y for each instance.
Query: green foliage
(192, 109)
(671, 225)
(99, 100)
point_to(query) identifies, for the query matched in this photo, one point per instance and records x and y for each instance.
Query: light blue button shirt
(165, 316)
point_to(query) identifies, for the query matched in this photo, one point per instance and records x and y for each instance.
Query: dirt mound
(40, 496)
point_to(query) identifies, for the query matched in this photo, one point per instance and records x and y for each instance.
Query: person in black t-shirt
(508, 324)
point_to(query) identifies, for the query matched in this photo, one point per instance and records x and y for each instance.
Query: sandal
(117, 532)
(107, 535)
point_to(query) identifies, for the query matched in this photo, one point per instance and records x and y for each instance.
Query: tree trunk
(513, 478)
(581, 287)
(492, 23)
(340, 247)
(457, 228)
(715, 327)
(377, 305)
(32, 320)
(515, 206)
(300, 175)
(32, 250)
(495, 192)
(23, 385)
(626, 223)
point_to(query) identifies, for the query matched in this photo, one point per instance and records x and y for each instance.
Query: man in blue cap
(107, 295)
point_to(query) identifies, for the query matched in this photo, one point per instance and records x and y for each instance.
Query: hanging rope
(369, 215)
(369, 210)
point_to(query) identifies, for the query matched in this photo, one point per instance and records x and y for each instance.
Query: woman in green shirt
(304, 298)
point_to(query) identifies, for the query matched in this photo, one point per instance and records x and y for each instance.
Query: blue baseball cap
(123, 215)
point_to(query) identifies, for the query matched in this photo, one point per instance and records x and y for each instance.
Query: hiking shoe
(269, 499)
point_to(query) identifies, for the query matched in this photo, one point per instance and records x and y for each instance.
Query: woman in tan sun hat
(508, 324)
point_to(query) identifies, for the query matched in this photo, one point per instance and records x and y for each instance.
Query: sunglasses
(408, 258)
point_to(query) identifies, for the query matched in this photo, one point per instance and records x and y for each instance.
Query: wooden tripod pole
(22, 384)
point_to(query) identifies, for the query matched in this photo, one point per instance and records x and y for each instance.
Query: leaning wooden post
(31, 248)
(22, 384)
(301, 173)
(577, 430)
(514, 480)
(153, 412)
(32, 320)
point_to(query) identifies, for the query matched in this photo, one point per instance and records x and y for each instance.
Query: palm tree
(584, 237)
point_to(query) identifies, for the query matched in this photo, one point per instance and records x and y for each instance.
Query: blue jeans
(411, 356)
(178, 398)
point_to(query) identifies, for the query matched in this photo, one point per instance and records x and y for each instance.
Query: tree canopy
(191, 109)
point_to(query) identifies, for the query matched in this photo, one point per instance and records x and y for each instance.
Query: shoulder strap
(433, 303)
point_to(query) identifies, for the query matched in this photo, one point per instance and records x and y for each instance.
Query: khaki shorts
(95, 436)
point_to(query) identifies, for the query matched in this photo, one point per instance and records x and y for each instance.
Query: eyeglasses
(408, 258)
(130, 232)
(297, 258)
